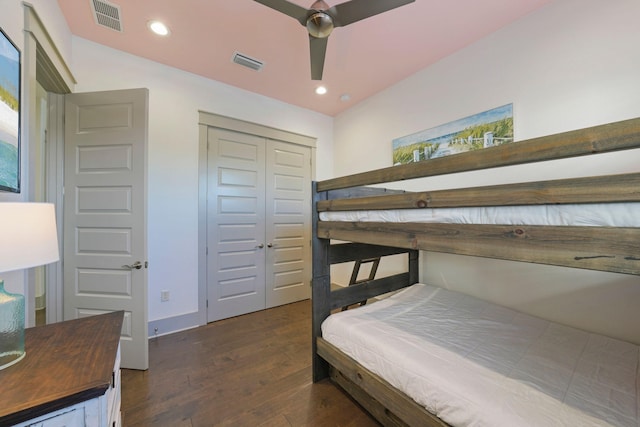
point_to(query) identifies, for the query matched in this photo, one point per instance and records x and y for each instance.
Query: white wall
(572, 64)
(175, 98)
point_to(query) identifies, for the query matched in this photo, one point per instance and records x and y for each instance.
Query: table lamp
(28, 238)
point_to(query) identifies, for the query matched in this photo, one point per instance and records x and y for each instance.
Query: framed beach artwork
(482, 130)
(9, 115)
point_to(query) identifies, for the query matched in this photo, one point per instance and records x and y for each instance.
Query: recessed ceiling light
(321, 90)
(158, 27)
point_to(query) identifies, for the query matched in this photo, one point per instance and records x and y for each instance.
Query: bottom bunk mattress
(474, 363)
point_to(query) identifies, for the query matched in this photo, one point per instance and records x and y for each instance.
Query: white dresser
(70, 376)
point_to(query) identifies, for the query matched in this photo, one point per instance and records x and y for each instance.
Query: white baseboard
(172, 325)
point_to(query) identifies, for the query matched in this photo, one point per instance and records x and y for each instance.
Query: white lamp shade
(28, 235)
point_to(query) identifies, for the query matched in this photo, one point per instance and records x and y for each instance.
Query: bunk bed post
(320, 287)
(414, 267)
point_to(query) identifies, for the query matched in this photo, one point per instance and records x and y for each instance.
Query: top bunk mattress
(471, 362)
(595, 214)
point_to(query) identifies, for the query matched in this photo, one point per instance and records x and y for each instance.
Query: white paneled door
(105, 241)
(288, 218)
(258, 223)
(235, 224)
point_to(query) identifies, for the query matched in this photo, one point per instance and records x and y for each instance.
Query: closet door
(258, 223)
(288, 215)
(235, 224)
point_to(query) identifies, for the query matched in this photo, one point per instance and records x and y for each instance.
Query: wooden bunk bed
(604, 248)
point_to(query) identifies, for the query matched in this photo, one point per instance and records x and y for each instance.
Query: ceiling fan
(320, 20)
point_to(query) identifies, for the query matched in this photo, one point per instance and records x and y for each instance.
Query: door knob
(260, 246)
(136, 265)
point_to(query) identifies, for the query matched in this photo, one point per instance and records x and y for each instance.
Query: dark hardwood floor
(251, 370)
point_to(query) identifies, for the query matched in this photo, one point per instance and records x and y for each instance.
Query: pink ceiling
(362, 58)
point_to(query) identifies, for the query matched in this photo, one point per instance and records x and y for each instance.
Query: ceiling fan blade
(318, 48)
(298, 13)
(356, 10)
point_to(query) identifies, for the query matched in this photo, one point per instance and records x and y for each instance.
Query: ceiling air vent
(106, 14)
(248, 62)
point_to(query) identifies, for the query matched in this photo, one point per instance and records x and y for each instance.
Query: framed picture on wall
(9, 115)
(481, 130)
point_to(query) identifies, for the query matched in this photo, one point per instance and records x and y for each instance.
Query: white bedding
(596, 214)
(473, 363)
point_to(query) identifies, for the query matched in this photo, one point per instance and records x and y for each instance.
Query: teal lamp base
(11, 328)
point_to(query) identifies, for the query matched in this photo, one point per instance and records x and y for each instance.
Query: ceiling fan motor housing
(319, 24)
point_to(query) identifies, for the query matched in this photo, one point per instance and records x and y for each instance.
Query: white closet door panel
(235, 224)
(288, 190)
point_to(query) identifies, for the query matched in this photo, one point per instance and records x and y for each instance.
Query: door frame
(207, 120)
(43, 59)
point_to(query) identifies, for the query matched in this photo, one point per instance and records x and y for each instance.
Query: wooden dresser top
(65, 363)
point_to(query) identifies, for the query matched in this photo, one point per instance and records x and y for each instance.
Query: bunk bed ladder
(375, 262)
